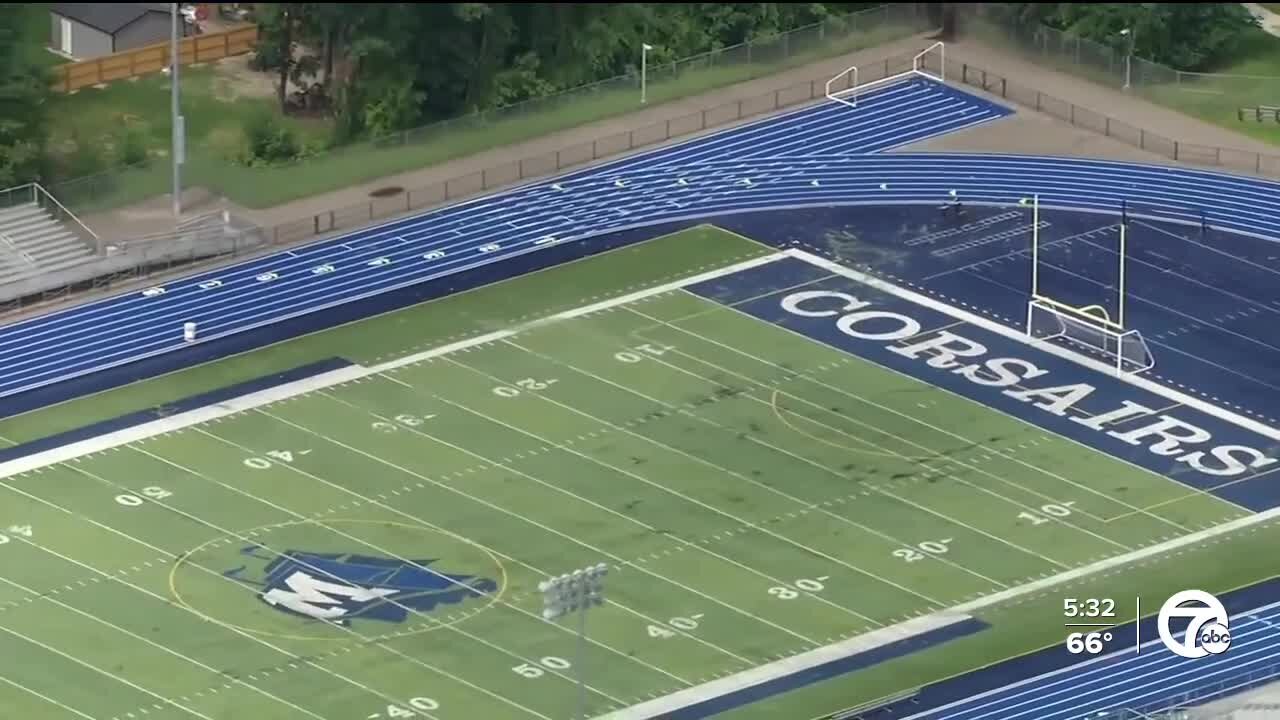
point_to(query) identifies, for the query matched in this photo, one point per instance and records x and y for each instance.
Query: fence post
(315, 224)
(1175, 149)
(739, 110)
(1108, 125)
(704, 119)
(1004, 87)
(594, 150)
(1037, 100)
(777, 95)
(521, 167)
(484, 179)
(631, 139)
(668, 134)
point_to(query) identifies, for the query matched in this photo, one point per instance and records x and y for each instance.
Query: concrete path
(1270, 21)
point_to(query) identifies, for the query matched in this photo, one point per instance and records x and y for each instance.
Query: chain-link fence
(245, 241)
(1210, 96)
(360, 162)
(1245, 161)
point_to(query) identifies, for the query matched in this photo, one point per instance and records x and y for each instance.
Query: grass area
(1273, 7)
(91, 126)
(267, 187)
(411, 329)
(745, 518)
(1210, 97)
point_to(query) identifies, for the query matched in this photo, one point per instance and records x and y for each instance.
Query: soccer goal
(1088, 328)
(930, 62)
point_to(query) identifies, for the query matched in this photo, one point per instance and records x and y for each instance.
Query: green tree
(24, 95)
(1187, 36)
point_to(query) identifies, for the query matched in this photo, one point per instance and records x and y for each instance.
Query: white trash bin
(189, 332)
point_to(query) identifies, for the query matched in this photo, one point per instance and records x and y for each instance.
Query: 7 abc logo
(1207, 632)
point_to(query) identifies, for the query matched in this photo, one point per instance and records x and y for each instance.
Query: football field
(369, 543)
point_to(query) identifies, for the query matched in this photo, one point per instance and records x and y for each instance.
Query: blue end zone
(826, 671)
(1051, 392)
(159, 412)
(1025, 667)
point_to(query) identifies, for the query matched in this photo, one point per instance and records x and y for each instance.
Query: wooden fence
(154, 58)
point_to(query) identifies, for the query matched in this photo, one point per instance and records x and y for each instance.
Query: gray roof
(110, 18)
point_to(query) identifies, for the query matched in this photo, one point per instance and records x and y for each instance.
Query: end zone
(1205, 447)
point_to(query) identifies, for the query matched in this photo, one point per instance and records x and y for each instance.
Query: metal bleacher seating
(39, 236)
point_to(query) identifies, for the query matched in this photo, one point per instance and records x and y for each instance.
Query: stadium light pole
(644, 71)
(1130, 34)
(178, 150)
(577, 591)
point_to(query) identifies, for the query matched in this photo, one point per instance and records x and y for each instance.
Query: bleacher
(38, 236)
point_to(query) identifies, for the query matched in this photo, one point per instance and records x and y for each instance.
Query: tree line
(374, 68)
(385, 66)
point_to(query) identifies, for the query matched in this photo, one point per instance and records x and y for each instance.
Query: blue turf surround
(747, 290)
(1238, 603)
(444, 242)
(826, 671)
(186, 404)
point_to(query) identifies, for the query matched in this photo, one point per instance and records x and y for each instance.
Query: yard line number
(405, 419)
(530, 670)
(421, 704)
(924, 549)
(153, 492)
(636, 354)
(15, 530)
(262, 463)
(1052, 510)
(679, 623)
(507, 391)
(811, 585)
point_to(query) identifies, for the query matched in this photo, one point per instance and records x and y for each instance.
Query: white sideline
(959, 314)
(71, 451)
(755, 676)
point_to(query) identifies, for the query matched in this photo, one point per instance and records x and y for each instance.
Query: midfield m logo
(341, 587)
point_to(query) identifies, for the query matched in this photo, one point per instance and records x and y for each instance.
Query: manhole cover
(386, 192)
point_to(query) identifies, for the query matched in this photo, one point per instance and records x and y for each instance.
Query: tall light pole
(179, 147)
(576, 591)
(1130, 34)
(644, 71)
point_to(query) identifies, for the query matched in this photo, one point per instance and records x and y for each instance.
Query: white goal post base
(1090, 328)
(919, 66)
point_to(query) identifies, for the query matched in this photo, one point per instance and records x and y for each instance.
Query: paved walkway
(1119, 105)
(1270, 21)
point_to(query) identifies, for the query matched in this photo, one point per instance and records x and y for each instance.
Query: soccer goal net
(1089, 329)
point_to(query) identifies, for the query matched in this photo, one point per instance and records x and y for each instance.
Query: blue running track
(823, 155)
(1145, 680)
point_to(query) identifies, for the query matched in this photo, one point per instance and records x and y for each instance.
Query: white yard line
(451, 627)
(217, 673)
(116, 578)
(986, 448)
(285, 391)
(777, 669)
(106, 673)
(425, 523)
(535, 523)
(694, 501)
(45, 698)
(244, 538)
(905, 441)
(740, 476)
